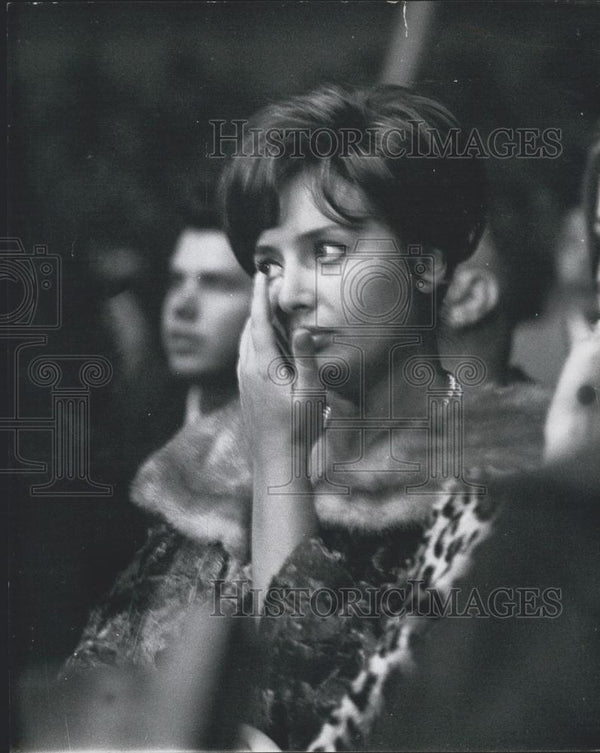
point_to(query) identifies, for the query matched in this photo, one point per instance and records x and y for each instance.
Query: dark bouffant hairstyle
(429, 196)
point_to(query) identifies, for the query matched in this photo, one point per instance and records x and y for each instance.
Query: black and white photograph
(301, 318)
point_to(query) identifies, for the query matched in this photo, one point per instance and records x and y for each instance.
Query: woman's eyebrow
(264, 248)
(340, 230)
(332, 228)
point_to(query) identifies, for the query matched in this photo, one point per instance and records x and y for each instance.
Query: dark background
(108, 116)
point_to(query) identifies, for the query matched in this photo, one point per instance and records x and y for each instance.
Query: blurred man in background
(204, 311)
(477, 318)
(501, 287)
(196, 488)
(197, 485)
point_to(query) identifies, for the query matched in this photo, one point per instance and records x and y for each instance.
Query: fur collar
(200, 481)
(503, 432)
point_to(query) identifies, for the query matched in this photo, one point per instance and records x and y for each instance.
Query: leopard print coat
(343, 614)
(460, 523)
(323, 677)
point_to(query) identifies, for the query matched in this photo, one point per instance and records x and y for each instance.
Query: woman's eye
(331, 251)
(268, 268)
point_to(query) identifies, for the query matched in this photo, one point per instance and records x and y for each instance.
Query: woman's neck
(390, 394)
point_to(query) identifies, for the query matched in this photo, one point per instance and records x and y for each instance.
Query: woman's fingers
(578, 327)
(257, 339)
(245, 338)
(244, 350)
(260, 316)
(303, 351)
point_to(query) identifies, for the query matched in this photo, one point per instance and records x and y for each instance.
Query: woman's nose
(296, 288)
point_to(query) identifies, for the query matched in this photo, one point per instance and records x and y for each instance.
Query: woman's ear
(472, 294)
(434, 274)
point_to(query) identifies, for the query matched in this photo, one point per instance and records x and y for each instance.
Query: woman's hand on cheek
(266, 405)
(282, 506)
(273, 391)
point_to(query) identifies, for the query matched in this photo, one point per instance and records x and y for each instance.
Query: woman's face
(350, 287)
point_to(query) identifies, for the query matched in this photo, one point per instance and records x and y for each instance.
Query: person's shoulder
(200, 481)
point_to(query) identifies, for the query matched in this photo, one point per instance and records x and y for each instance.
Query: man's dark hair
(197, 208)
(437, 200)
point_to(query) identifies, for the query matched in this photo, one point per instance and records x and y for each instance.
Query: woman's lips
(321, 338)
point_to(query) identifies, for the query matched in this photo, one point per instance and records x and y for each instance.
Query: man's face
(321, 273)
(205, 307)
